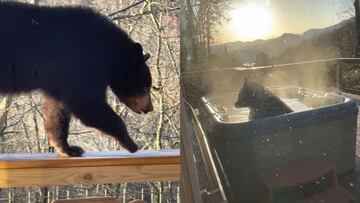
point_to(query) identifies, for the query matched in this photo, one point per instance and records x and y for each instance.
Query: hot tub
(322, 126)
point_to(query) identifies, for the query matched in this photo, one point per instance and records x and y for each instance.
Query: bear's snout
(141, 104)
(149, 108)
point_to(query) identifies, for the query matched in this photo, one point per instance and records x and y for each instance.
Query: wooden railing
(24, 170)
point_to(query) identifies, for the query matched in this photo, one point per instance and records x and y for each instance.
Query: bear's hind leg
(57, 119)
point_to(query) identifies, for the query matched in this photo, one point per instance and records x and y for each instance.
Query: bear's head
(132, 81)
(245, 95)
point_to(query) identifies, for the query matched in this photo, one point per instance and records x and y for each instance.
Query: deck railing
(25, 170)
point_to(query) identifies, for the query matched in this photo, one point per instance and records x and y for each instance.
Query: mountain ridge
(274, 47)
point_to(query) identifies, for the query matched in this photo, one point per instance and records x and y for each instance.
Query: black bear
(72, 55)
(262, 102)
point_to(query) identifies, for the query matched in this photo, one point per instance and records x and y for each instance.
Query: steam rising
(317, 75)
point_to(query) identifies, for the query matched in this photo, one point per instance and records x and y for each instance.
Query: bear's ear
(146, 56)
(138, 53)
(137, 49)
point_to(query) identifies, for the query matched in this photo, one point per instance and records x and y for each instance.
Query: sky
(263, 19)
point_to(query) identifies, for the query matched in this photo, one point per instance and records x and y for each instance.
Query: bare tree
(202, 18)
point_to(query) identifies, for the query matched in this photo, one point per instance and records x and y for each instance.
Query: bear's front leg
(57, 119)
(96, 113)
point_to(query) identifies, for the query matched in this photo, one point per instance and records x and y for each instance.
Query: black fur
(262, 102)
(72, 54)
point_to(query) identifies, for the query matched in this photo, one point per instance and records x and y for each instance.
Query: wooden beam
(23, 170)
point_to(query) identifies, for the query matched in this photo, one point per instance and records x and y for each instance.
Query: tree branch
(126, 8)
(144, 13)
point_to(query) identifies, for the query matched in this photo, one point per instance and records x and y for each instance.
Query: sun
(251, 21)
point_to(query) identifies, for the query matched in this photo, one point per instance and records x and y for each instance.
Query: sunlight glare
(251, 22)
